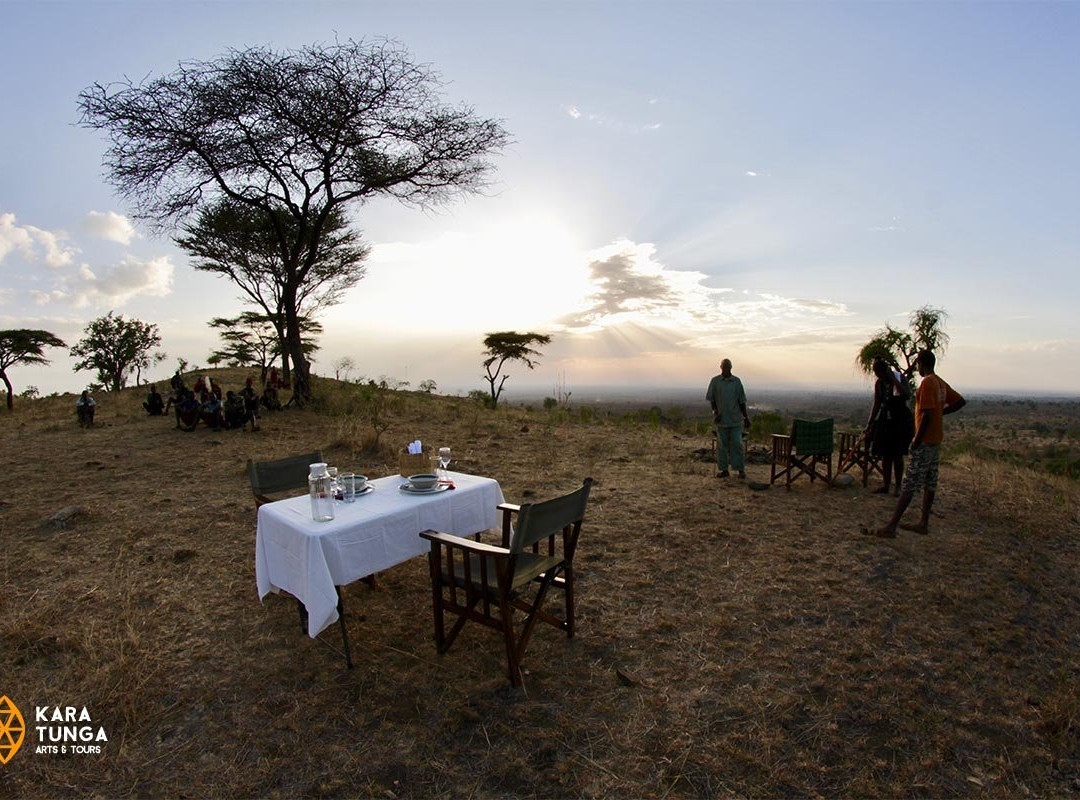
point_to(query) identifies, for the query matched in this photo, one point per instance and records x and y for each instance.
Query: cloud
(632, 290)
(606, 120)
(109, 225)
(630, 285)
(750, 173)
(117, 283)
(34, 244)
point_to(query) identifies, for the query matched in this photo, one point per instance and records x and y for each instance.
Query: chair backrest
(537, 521)
(812, 438)
(284, 473)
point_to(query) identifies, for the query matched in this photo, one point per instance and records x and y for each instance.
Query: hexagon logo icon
(12, 729)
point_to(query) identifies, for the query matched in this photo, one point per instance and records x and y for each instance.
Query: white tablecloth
(308, 559)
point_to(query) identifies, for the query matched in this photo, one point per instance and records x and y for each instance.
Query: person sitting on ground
(84, 408)
(215, 389)
(177, 389)
(210, 410)
(154, 405)
(187, 411)
(251, 404)
(270, 398)
(200, 386)
(234, 410)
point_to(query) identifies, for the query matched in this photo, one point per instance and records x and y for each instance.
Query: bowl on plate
(424, 480)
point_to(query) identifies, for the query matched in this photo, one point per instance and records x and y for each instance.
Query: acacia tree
(900, 348)
(508, 346)
(23, 346)
(296, 134)
(240, 243)
(116, 347)
(251, 339)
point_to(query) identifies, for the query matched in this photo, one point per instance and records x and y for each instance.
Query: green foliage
(550, 403)
(899, 348)
(765, 423)
(116, 347)
(30, 393)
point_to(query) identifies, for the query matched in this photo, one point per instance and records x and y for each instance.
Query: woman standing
(891, 425)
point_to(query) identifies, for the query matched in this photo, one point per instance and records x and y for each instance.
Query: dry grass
(731, 643)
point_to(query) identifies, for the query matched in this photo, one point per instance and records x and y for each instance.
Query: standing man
(933, 400)
(728, 401)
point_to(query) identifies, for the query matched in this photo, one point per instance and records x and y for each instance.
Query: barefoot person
(933, 399)
(728, 401)
(890, 426)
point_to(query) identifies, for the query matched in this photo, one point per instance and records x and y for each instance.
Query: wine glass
(444, 459)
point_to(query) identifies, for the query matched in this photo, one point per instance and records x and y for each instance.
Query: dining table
(310, 560)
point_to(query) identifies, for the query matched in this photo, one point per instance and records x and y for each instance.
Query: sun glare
(515, 274)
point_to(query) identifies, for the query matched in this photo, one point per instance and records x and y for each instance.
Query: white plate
(408, 488)
(366, 490)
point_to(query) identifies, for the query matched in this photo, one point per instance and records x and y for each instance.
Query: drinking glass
(444, 459)
(348, 486)
(335, 484)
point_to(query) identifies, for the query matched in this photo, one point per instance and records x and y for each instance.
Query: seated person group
(207, 403)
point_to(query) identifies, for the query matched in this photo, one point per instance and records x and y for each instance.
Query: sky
(687, 181)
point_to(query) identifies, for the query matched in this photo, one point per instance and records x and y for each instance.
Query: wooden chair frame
(853, 454)
(487, 584)
(789, 463)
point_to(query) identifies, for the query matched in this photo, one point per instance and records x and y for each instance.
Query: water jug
(322, 493)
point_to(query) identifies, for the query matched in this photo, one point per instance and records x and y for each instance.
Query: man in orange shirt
(933, 400)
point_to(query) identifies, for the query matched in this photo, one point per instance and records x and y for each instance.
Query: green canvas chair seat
(488, 584)
(806, 451)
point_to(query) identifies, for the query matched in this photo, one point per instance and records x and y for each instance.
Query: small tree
(343, 366)
(251, 340)
(428, 387)
(23, 346)
(115, 347)
(508, 346)
(900, 348)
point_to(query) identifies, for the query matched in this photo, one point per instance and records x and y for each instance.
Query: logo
(12, 729)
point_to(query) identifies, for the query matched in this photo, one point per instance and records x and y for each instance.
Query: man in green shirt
(728, 401)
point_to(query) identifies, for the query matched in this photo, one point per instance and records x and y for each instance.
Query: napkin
(415, 448)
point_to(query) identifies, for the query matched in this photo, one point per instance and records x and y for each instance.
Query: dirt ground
(730, 642)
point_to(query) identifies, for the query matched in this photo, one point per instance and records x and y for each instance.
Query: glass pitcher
(322, 493)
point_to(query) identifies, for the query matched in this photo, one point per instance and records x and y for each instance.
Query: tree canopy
(295, 133)
(508, 346)
(240, 243)
(251, 340)
(900, 348)
(116, 347)
(23, 346)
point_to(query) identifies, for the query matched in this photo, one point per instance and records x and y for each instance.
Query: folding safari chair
(284, 474)
(807, 451)
(487, 584)
(853, 454)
